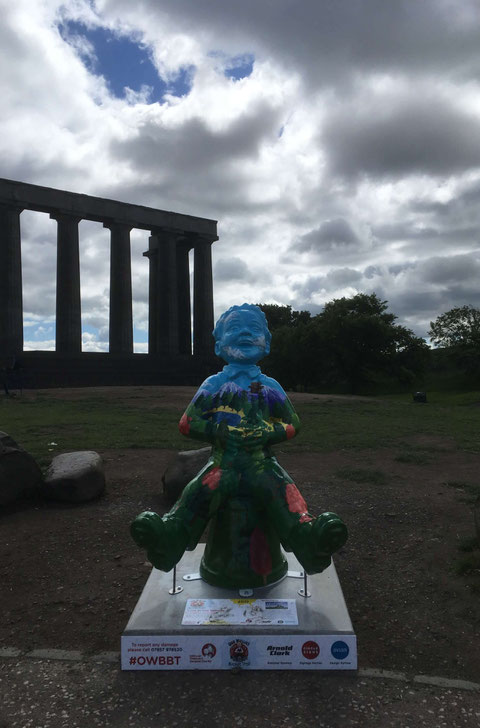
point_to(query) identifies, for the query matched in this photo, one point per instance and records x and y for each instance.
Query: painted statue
(246, 498)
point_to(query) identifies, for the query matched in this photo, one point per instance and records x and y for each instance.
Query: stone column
(68, 316)
(121, 319)
(11, 311)
(203, 344)
(183, 292)
(151, 254)
(163, 293)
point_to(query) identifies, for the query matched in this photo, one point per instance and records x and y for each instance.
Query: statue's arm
(284, 421)
(195, 421)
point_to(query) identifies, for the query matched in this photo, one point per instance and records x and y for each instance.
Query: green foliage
(458, 331)
(278, 316)
(350, 343)
(458, 327)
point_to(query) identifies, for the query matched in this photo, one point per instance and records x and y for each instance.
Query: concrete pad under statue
(268, 628)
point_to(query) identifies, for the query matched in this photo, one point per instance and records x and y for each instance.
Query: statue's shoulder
(213, 383)
(271, 383)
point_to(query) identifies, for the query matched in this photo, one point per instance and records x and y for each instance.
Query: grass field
(384, 421)
(44, 425)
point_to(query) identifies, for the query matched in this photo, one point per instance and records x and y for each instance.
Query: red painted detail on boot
(304, 518)
(212, 478)
(290, 430)
(260, 556)
(184, 424)
(295, 500)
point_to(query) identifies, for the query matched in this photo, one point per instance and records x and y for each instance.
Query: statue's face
(243, 340)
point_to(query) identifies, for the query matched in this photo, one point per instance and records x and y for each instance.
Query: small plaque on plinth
(210, 628)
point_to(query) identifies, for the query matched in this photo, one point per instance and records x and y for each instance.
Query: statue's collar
(234, 371)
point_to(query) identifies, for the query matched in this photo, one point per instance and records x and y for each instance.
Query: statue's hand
(329, 533)
(147, 529)
(164, 539)
(248, 438)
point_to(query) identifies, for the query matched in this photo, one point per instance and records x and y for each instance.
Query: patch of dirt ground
(71, 575)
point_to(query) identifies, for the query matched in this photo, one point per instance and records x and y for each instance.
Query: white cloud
(347, 160)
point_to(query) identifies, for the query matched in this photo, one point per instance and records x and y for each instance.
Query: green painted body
(251, 505)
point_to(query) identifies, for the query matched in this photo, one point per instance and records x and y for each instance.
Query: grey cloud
(329, 235)
(371, 271)
(424, 291)
(331, 42)
(457, 218)
(416, 136)
(446, 270)
(193, 146)
(343, 277)
(464, 200)
(193, 169)
(337, 278)
(313, 284)
(400, 231)
(398, 268)
(232, 269)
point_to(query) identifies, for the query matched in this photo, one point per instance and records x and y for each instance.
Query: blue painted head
(242, 335)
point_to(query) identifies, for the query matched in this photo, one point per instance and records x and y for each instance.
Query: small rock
(74, 477)
(182, 469)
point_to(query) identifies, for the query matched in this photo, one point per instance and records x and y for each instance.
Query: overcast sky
(336, 142)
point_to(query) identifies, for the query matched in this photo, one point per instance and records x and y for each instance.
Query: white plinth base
(323, 639)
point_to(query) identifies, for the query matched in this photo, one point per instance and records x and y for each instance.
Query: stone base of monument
(182, 623)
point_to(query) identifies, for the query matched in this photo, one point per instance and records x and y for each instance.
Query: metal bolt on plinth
(175, 589)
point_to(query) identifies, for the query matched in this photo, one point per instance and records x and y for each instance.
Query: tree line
(356, 341)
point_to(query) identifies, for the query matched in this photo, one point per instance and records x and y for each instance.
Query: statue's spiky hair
(218, 330)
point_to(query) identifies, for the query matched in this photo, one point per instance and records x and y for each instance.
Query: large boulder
(181, 469)
(75, 477)
(7, 441)
(19, 473)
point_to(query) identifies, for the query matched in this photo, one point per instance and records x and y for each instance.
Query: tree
(458, 327)
(349, 343)
(363, 340)
(458, 331)
(411, 357)
(278, 316)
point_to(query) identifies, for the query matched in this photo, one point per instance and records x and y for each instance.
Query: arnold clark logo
(280, 650)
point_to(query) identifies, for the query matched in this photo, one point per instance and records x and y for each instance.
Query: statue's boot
(314, 542)
(165, 539)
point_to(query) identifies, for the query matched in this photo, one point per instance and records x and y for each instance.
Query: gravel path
(65, 693)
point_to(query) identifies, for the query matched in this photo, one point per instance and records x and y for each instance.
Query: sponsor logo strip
(255, 652)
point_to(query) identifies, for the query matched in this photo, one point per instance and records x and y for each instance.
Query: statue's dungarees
(243, 469)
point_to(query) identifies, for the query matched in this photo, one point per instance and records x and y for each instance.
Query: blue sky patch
(241, 67)
(236, 67)
(122, 61)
